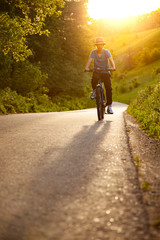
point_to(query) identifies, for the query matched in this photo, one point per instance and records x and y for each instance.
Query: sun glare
(117, 9)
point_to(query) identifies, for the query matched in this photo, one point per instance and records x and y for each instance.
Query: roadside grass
(146, 109)
(156, 223)
(146, 186)
(137, 162)
(145, 76)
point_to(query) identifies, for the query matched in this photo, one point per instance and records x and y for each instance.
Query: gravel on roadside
(145, 152)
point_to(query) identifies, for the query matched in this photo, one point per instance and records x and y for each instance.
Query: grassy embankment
(138, 81)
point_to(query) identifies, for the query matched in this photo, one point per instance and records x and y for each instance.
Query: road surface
(66, 176)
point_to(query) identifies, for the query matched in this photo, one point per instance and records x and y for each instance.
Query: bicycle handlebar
(99, 70)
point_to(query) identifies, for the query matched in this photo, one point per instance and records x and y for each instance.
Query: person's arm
(112, 64)
(88, 64)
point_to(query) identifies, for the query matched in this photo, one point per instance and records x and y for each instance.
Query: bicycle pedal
(104, 104)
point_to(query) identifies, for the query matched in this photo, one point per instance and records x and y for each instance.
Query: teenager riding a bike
(102, 60)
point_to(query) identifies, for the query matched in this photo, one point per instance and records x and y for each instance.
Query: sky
(118, 9)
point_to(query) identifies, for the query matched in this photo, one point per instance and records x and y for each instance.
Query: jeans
(106, 78)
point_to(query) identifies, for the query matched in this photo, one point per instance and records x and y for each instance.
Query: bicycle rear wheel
(99, 102)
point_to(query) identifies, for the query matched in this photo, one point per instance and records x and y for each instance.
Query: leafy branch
(24, 18)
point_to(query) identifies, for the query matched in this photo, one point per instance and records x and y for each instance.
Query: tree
(37, 38)
(20, 18)
(63, 53)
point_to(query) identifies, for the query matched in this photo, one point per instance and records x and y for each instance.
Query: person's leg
(94, 82)
(108, 87)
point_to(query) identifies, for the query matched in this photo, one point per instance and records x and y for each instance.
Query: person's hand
(113, 69)
(86, 69)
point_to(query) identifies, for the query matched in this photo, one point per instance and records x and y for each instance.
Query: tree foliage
(44, 45)
(21, 18)
(63, 53)
(148, 21)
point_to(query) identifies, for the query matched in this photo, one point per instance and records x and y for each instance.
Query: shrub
(27, 78)
(11, 102)
(155, 54)
(123, 88)
(119, 76)
(147, 56)
(157, 71)
(146, 108)
(135, 82)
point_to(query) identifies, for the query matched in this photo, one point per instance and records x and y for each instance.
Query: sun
(116, 9)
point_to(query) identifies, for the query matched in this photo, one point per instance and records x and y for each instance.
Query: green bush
(123, 88)
(6, 63)
(11, 102)
(147, 56)
(66, 103)
(135, 82)
(146, 108)
(155, 54)
(27, 78)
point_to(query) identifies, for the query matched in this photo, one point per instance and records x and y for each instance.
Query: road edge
(145, 152)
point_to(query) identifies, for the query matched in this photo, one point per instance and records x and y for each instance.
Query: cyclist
(102, 60)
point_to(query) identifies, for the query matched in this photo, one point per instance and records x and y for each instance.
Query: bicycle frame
(100, 94)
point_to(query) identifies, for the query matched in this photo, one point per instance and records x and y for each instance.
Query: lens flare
(115, 9)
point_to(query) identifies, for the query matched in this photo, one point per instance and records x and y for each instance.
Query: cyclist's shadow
(73, 166)
(62, 177)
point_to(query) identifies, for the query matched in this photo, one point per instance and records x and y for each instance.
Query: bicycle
(100, 97)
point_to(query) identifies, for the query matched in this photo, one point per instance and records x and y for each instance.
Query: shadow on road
(59, 180)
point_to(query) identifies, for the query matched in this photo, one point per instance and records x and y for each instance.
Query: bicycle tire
(103, 103)
(99, 103)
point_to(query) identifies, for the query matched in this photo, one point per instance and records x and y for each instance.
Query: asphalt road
(66, 176)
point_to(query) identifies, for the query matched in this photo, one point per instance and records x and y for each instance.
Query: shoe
(93, 96)
(109, 110)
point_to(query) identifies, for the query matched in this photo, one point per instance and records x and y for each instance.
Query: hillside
(141, 76)
(137, 57)
(137, 79)
(134, 41)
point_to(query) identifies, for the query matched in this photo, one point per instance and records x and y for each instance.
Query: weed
(156, 224)
(145, 186)
(137, 161)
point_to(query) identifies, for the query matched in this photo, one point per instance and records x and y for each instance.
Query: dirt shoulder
(145, 151)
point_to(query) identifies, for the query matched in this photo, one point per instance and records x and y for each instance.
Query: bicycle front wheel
(99, 102)
(103, 103)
